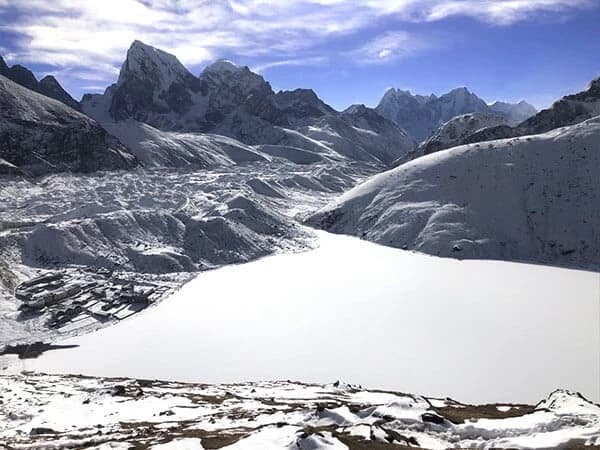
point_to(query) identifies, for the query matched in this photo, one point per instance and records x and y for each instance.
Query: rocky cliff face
(39, 135)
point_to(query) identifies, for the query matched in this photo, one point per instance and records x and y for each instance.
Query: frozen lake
(477, 331)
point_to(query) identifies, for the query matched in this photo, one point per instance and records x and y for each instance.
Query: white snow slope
(77, 412)
(532, 198)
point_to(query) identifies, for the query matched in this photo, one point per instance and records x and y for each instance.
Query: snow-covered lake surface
(477, 331)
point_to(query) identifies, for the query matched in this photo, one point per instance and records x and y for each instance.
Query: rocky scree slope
(45, 411)
(523, 199)
(40, 135)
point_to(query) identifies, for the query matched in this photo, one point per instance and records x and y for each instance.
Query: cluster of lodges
(65, 297)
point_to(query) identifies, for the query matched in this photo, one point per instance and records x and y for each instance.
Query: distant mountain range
(480, 127)
(156, 90)
(526, 192)
(421, 115)
(569, 110)
(164, 115)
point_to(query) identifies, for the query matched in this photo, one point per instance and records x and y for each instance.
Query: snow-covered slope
(421, 115)
(527, 199)
(453, 132)
(156, 148)
(154, 88)
(51, 411)
(47, 86)
(40, 135)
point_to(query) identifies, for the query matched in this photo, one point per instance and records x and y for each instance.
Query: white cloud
(93, 36)
(309, 61)
(501, 12)
(388, 47)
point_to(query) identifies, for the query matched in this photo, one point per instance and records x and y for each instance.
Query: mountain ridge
(154, 88)
(422, 115)
(40, 135)
(48, 86)
(569, 110)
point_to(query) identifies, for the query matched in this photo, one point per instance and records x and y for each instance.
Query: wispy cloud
(501, 12)
(308, 61)
(91, 37)
(388, 47)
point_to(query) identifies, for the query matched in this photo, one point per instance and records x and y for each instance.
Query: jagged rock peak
(152, 64)
(225, 72)
(358, 108)
(48, 86)
(3, 66)
(51, 87)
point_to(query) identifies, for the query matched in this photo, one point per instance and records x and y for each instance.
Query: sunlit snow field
(477, 331)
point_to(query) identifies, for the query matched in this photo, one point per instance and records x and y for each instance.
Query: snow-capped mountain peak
(151, 81)
(152, 64)
(461, 100)
(221, 66)
(421, 115)
(226, 74)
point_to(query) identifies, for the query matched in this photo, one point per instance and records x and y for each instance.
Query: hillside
(40, 135)
(47, 86)
(83, 412)
(522, 199)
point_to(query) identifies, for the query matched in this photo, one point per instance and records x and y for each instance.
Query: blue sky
(347, 51)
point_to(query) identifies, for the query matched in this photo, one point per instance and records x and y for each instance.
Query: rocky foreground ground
(68, 411)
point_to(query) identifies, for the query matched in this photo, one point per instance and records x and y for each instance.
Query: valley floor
(110, 236)
(358, 311)
(50, 411)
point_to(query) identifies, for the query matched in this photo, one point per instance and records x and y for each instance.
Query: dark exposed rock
(41, 430)
(47, 86)
(50, 87)
(432, 418)
(39, 135)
